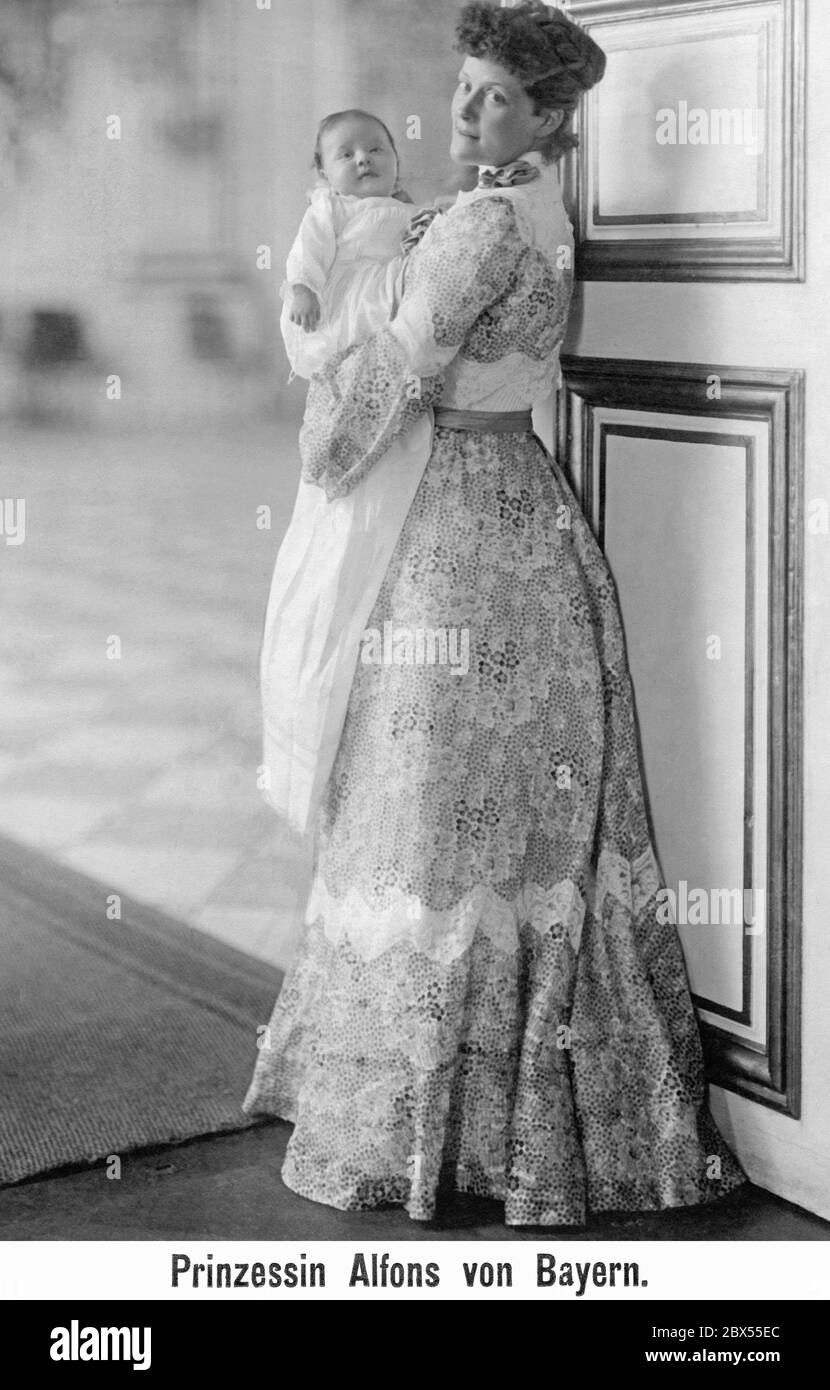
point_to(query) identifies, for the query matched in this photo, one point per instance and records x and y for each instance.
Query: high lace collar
(548, 180)
(532, 157)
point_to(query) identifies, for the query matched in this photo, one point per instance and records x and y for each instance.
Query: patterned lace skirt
(484, 995)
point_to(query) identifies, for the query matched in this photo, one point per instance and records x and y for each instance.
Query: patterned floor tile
(215, 779)
(50, 821)
(223, 684)
(9, 674)
(21, 704)
(9, 763)
(88, 660)
(129, 744)
(178, 880)
(187, 825)
(79, 781)
(271, 936)
(148, 764)
(274, 881)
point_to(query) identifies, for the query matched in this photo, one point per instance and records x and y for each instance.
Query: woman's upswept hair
(555, 60)
(329, 122)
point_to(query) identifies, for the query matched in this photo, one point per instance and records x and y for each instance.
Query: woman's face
(493, 119)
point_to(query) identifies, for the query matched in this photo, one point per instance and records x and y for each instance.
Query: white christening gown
(348, 251)
(335, 552)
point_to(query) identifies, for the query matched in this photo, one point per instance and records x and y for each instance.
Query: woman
(484, 996)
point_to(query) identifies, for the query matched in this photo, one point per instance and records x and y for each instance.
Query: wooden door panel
(696, 496)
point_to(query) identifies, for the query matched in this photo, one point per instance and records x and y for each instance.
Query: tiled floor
(138, 766)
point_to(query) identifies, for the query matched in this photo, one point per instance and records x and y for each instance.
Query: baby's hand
(305, 308)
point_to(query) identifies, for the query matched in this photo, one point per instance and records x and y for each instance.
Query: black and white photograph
(414, 575)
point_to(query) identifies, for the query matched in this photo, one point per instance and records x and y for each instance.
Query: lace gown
(483, 996)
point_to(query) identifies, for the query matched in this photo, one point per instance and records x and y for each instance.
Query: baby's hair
(353, 114)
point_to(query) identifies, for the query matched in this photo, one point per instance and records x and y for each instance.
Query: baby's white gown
(335, 553)
(348, 251)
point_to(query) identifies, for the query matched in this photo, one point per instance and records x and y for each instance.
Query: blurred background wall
(155, 503)
(149, 151)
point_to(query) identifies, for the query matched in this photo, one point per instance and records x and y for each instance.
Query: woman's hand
(305, 308)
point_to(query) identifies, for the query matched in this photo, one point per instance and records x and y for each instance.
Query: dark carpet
(115, 1035)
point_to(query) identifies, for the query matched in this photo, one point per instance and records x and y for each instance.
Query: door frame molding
(739, 256)
(769, 1073)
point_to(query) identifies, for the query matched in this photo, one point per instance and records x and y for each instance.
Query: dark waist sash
(486, 421)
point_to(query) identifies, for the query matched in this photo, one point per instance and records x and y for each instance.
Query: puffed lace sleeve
(365, 398)
(312, 255)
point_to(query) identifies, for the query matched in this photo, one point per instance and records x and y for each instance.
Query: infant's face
(358, 159)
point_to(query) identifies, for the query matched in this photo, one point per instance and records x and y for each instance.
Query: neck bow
(520, 171)
(417, 226)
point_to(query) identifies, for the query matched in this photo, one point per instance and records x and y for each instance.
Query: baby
(344, 283)
(343, 271)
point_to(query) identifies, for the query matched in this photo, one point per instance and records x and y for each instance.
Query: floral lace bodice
(518, 244)
(479, 328)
